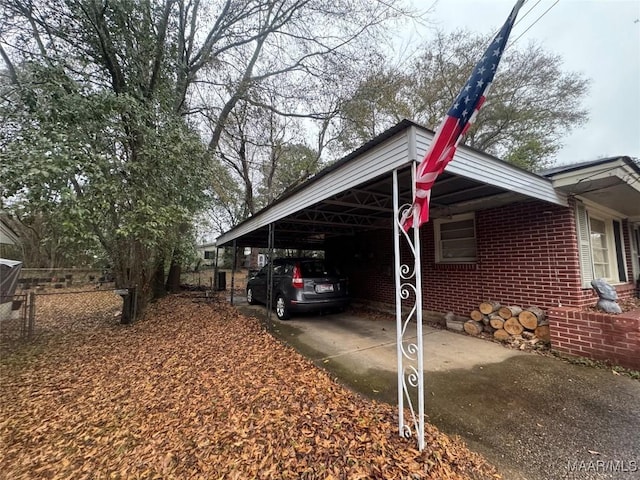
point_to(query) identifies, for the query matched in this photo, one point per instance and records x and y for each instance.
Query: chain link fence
(216, 280)
(54, 311)
(49, 305)
(16, 318)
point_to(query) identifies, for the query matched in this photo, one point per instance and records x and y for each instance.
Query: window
(634, 234)
(601, 246)
(456, 239)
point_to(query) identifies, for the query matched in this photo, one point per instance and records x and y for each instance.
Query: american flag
(458, 120)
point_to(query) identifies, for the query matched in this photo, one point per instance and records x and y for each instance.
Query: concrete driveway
(534, 417)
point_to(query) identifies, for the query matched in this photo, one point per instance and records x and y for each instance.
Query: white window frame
(612, 261)
(438, 241)
(584, 213)
(634, 238)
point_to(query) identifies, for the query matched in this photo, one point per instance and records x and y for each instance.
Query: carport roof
(355, 193)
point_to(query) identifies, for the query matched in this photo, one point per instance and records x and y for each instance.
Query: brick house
(496, 233)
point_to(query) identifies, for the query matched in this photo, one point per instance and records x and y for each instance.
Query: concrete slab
(534, 417)
(367, 344)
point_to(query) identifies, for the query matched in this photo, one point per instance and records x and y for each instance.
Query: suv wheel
(250, 299)
(282, 309)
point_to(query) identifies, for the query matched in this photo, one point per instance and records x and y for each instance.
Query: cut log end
(513, 326)
(476, 315)
(473, 328)
(489, 307)
(531, 317)
(542, 332)
(510, 311)
(496, 321)
(501, 335)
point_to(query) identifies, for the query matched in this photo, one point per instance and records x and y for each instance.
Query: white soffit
(616, 172)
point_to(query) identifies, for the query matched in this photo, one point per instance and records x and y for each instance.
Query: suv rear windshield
(317, 268)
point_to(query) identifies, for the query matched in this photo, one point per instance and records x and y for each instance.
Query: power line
(525, 14)
(535, 21)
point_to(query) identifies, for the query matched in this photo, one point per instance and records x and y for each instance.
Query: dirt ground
(195, 390)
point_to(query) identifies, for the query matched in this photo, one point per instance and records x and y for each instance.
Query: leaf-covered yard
(196, 390)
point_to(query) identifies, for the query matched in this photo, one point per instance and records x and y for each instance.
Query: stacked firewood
(508, 322)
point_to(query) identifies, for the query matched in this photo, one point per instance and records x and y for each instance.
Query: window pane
(599, 255)
(602, 271)
(599, 248)
(457, 225)
(465, 248)
(459, 233)
(598, 240)
(316, 268)
(457, 240)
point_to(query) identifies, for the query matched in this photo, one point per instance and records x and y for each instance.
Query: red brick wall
(368, 263)
(527, 255)
(614, 338)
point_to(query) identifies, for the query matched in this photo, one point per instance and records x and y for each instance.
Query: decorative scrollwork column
(408, 323)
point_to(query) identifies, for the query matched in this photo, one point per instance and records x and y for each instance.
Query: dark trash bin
(221, 284)
(129, 301)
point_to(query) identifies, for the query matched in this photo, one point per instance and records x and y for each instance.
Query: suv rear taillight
(296, 281)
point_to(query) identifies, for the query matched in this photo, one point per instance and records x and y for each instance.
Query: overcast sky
(599, 38)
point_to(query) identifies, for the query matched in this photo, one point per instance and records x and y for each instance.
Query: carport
(363, 192)
(355, 194)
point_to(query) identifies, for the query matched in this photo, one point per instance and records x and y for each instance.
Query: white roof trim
(489, 170)
(395, 152)
(205, 245)
(10, 263)
(385, 157)
(7, 236)
(618, 168)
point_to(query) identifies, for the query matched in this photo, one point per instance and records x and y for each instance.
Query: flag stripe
(456, 123)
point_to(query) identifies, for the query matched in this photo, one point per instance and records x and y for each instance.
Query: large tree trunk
(158, 288)
(173, 278)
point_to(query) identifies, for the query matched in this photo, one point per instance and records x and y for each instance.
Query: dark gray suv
(300, 285)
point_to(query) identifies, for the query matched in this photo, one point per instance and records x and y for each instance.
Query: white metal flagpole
(397, 263)
(408, 280)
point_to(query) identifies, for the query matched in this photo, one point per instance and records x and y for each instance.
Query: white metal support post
(270, 241)
(408, 279)
(233, 269)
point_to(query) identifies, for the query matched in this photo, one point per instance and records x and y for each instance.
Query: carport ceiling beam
(330, 218)
(335, 223)
(342, 203)
(490, 201)
(441, 198)
(378, 194)
(365, 199)
(308, 229)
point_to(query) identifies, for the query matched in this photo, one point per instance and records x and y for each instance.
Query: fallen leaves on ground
(196, 390)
